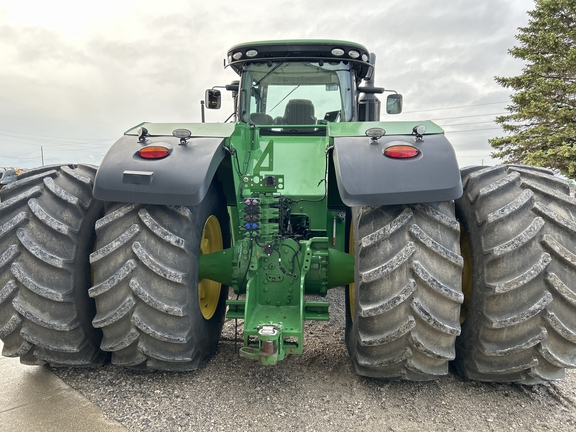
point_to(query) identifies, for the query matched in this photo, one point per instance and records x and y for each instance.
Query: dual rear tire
(71, 294)
(517, 229)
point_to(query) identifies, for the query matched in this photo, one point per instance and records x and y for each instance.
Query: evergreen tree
(541, 125)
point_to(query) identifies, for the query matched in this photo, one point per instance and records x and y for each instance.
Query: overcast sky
(76, 74)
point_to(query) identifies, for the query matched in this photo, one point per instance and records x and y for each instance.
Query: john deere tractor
(303, 191)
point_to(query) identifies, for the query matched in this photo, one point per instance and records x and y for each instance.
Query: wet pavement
(34, 399)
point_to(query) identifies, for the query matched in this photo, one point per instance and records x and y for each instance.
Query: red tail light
(153, 152)
(401, 152)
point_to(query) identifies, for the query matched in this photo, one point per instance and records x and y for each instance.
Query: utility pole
(42, 152)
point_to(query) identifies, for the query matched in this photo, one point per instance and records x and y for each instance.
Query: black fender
(181, 178)
(365, 176)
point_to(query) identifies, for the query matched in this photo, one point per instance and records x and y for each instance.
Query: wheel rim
(466, 273)
(208, 290)
(351, 285)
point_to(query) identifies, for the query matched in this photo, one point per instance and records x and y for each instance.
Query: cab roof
(300, 50)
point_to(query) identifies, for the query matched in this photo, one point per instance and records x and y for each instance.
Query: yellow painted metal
(466, 273)
(208, 290)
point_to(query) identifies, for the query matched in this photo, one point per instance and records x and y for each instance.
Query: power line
(454, 107)
(20, 158)
(55, 145)
(28, 153)
(476, 115)
(465, 124)
(19, 139)
(57, 137)
(472, 130)
(88, 152)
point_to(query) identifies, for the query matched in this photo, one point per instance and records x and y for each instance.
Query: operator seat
(299, 112)
(261, 118)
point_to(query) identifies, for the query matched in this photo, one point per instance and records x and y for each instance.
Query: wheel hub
(208, 290)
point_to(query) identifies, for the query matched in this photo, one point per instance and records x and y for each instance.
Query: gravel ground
(317, 391)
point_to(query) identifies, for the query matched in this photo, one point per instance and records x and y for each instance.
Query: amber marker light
(153, 152)
(401, 152)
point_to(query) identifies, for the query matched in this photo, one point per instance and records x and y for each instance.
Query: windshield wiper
(267, 73)
(282, 100)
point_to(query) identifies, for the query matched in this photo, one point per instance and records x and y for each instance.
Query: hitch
(275, 277)
(270, 348)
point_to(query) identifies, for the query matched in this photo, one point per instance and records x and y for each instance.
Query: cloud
(73, 72)
(29, 46)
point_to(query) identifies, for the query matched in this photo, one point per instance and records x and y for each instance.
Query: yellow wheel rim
(208, 290)
(466, 273)
(351, 285)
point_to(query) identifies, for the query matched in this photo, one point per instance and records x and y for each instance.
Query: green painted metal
(329, 267)
(392, 128)
(287, 242)
(218, 266)
(198, 129)
(288, 224)
(340, 268)
(269, 269)
(274, 296)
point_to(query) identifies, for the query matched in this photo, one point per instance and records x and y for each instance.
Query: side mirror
(394, 103)
(213, 99)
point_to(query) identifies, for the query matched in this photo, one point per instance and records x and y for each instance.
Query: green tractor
(304, 191)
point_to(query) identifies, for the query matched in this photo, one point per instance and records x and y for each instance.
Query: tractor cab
(284, 84)
(297, 93)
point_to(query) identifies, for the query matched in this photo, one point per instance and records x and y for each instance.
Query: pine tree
(541, 125)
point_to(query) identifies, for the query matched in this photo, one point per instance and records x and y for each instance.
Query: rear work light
(401, 152)
(153, 152)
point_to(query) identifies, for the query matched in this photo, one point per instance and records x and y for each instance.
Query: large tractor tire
(519, 240)
(47, 222)
(153, 311)
(404, 308)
